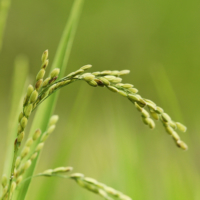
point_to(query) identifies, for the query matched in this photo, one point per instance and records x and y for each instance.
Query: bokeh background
(100, 133)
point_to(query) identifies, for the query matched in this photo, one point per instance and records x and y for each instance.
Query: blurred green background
(100, 133)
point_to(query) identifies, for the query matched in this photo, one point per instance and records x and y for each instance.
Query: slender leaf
(160, 75)
(4, 7)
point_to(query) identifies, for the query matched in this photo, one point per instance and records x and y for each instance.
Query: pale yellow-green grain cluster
(56, 171)
(148, 109)
(112, 80)
(90, 184)
(20, 167)
(50, 86)
(101, 189)
(30, 98)
(25, 158)
(28, 106)
(30, 101)
(4, 183)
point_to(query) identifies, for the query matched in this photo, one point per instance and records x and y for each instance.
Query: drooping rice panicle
(112, 80)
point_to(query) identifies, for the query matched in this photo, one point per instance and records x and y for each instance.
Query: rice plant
(22, 160)
(45, 87)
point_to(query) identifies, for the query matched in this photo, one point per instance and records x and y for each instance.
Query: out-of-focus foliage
(101, 135)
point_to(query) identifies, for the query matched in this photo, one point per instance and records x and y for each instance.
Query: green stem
(17, 144)
(4, 8)
(73, 80)
(39, 175)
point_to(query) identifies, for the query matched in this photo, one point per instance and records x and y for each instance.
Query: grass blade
(4, 7)
(45, 111)
(160, 75)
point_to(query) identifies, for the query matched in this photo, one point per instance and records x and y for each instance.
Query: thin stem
(43, 91)
(39, 175)
(13, 167)
(4, 8)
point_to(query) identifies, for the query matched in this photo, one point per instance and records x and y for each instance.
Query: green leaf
(4, 8)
